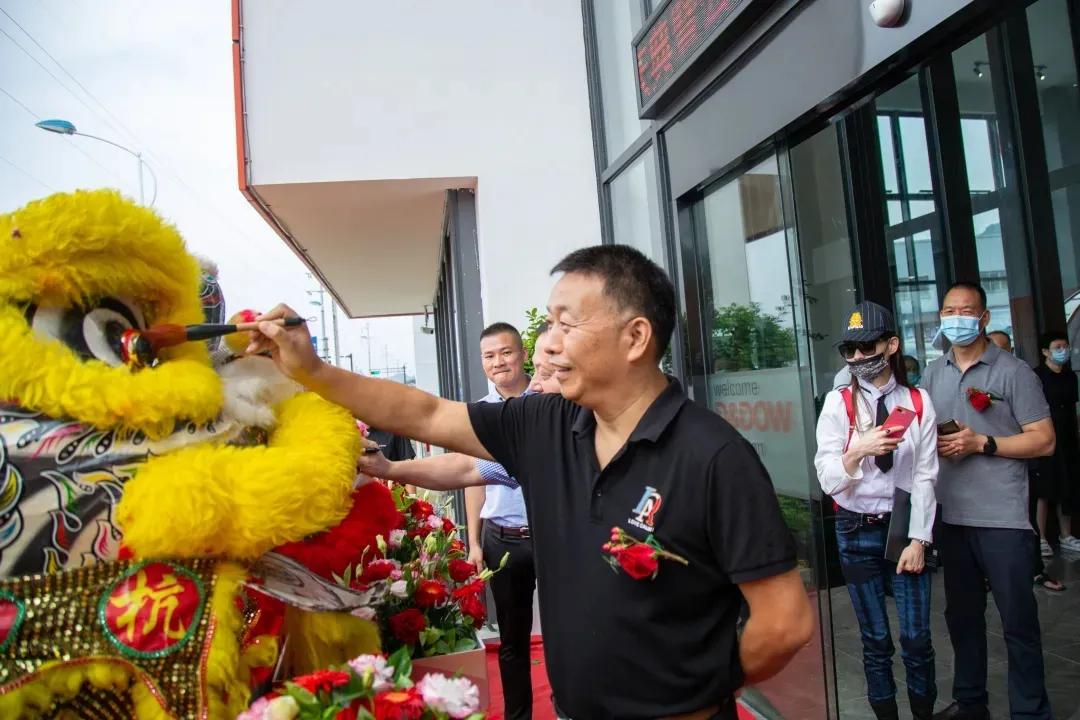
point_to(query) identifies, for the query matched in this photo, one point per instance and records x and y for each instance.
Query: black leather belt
(521, 533)
(869, 519)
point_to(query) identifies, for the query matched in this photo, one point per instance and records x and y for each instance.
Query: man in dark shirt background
(394, 447)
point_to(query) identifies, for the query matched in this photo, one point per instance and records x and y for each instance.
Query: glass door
(752, 375)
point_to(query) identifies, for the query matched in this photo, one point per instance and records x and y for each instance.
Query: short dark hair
(632, 281)
(499, 328)
(913, 360)
(1048, 337)
(965, 285)
(1004, 334)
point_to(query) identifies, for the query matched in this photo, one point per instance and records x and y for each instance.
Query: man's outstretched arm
(451, 471)
(384, 404)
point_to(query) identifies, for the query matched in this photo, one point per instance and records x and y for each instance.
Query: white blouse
(869, 490)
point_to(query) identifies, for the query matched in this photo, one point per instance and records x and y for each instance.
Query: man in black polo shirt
(622, 447)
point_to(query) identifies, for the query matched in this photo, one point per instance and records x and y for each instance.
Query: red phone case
(899, 421)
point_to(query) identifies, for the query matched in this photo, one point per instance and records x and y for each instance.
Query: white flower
(282, 708)
(457, 697)
(396, 538)
(364, 613)
(399, 589)
(375, 665)
(434, 522)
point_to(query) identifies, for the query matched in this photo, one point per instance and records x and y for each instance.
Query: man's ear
(639, 331)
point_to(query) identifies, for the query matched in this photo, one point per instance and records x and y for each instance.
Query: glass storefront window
(999, 246)
(635, 211)
(914, 231)
(616, 22)
(1059, 106)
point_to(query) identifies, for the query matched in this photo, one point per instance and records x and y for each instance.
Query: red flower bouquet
(370, 687)
(428, 598)
(639, 560)
(981, 400)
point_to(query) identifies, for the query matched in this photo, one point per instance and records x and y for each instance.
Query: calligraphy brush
(139, 347)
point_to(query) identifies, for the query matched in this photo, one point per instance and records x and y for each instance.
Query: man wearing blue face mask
(1001, 419)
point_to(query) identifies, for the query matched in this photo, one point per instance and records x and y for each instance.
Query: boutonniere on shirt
(981, 399)
(637, 559)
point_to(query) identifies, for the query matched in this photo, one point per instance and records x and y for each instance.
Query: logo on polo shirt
(855, 322)
(644, 515)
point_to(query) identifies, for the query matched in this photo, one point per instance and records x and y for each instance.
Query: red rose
(474, 607)
(322, 680)
(978, 399)
(376, 570)
(430, 593)
(461, 570)
(399, 705)
(448, 525)
(638, 561)
(421, 509)
(407, 624)
(476, 587)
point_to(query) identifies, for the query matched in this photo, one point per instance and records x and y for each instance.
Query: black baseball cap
(867, 322)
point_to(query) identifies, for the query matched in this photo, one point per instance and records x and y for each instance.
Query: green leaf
(430, 635)
(401, 661)
(465, 644)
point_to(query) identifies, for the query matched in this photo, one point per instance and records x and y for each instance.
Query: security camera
(887, 13)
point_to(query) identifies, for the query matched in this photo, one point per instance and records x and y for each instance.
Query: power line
(70, 142)
(19, 102)
(28, 174)
(53, 76)
(73, 78)
(160, 159)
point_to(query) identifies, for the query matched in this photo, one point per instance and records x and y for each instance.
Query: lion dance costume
(133, 501)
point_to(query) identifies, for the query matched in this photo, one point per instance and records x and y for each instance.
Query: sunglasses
(866, 348)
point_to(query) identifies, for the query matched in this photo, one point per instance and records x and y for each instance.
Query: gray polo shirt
(978, 490)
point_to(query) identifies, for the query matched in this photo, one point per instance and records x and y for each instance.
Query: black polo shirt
(618, 647)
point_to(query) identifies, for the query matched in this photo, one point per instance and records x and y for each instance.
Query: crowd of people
(600, 455)
(989, 441)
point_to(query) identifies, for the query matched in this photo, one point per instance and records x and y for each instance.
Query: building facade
(784, 159)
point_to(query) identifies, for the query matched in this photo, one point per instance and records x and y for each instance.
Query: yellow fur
(227, 675)
(46, 376)
(320, 640)
(71, 250)
(208, 501)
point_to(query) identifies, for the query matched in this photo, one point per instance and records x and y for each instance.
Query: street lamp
(65, 127)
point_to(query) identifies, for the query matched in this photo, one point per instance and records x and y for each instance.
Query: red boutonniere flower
(637, 559)
(461, 570)
(980, 399)
(399, 705)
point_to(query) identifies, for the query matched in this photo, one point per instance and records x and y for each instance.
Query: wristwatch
(990, 448)
(925, 543)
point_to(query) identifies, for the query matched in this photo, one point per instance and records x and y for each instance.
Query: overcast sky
(163, 72)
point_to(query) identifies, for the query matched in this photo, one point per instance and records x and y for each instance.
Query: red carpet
(542, 706)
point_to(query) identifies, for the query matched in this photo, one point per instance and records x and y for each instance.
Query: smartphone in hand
(948, 427)
(899, 421)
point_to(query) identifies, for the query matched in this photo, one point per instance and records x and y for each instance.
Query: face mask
(1060, 356)
(868, 368)
(914, 378)
(960, 330)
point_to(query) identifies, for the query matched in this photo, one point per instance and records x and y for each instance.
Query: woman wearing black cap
(871, 464)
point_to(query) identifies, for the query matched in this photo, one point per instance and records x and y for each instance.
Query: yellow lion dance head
(71, 265)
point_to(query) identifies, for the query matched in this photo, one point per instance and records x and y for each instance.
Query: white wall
(493, 89)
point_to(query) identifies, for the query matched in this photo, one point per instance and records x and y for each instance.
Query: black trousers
(972, 556)
(512, 588)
